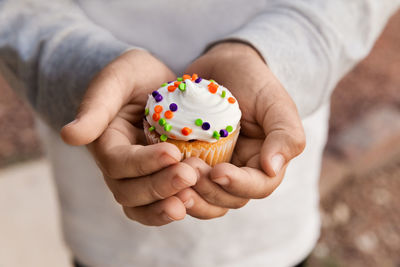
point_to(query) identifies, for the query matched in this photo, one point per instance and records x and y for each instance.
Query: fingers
(210, 192)
(141, 191)
(197, 207)
(283, 129)
(117, 158)
(158, 213)
(112, 88)
(245, 182)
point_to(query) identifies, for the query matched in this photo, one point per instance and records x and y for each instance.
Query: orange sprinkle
(186, 131)
(171, 88)
(158, 109)
(168, 114)
(184, 77)
(172, 136)
(156, 116)
(177, 83)
(231, 100)
(194, 76)
(212, 87)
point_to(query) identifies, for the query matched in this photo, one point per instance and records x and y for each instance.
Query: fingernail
(166, 217)
(277, 162)
(189, 203)
(179, 183)
(222, 181)
(72, 122)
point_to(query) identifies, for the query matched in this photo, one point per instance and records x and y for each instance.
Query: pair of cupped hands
(151, 182)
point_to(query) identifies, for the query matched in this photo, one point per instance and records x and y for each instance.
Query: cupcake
(199, 116)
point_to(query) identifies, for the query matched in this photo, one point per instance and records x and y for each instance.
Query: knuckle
(140, 169)
(154, 190)
(121, 198)
(240, 204)
(211, 195)
(299, 142)
(109, 168)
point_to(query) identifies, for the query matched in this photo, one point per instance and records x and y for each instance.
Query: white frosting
(196, 102)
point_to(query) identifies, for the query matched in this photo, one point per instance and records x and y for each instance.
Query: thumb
(284, 133)
(110, 90)
(106, 94)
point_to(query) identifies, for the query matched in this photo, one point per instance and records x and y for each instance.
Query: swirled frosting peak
(192, 108)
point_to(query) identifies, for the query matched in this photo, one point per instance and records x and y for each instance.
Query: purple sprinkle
(198, 80)
(205, 126)
(223, 133)
(173, 107)
(158, 98)
(155, 93)
(171, 82)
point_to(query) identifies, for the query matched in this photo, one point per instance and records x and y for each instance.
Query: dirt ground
(361, 214)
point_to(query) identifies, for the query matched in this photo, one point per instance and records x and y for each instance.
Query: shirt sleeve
(49, 51)
(311, 44)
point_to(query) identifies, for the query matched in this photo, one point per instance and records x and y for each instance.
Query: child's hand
(143, 179)
(271, 131)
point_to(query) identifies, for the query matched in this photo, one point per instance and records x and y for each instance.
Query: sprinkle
(212, 81)
(171, 82)
(171, 88)
(216, 135)
(146, 111)
(156, 116)
(186, 77)
(158, 98)
(194, 76)
(179, 79)
(205, 126)
(168, 114)
(173, 107)
(212, 87)
(155, 93)
(223, 133)
(177, 84)
(186, 131)
(163, 138)
(164, 84)
(162, 121)
(172, 136)
(229, 128)
(231, 100)
(151, 128)
(198, 122)
(198, 80)
(182, 87)
(167, 127)
(158, 109)
(223, 94)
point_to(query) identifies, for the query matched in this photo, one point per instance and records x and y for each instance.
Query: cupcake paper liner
(211, 153)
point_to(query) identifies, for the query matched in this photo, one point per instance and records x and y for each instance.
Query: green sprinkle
(151, 128)
(212, 81)
(229, 128)
(163, 138)
(223, 94)
(164, 84)
(198, 122)
(179, 79)
(167, 127)
(146, 111)
(216, 135)
(162, 121)
(182, 86)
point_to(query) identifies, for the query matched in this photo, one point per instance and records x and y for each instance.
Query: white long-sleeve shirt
(50, 50)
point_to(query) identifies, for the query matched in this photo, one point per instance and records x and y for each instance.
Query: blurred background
(360, 179)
